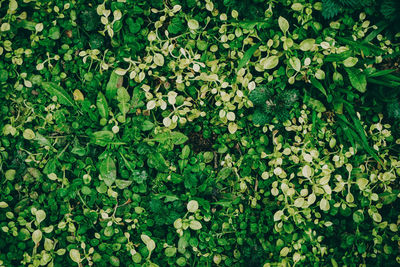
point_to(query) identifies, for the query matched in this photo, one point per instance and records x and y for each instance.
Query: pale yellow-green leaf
(377, 217)
(40, 216)
(350, 62)
(307, 44)
(192, 206)
(150, 244)
(324, 205)
(283, 24)
(232, 127)
(271, 62)
(75, 255)
(37, 236)
(284, 252)
(193, 24)
(28, 134)
(158, 59)
(3, 205)
(278, 215)
(299, 202)
(362, 183)
(195, 225)
(306, 171)
(295, 63)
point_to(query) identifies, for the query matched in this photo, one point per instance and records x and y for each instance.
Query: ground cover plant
(199, 133)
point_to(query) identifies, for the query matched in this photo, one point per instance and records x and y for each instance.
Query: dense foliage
(199, 133)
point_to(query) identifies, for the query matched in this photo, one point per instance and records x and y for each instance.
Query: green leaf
(113, 84)
(102, 105)
(157, 161)
(307, 44)
(108, 171)
(192, 206)
(271, 62)
(122, 184)
(224, 173)
(37, 236)
(246, 57)
(56, 90)
(295, 63)
(40, 216)
(123, 95)
(283, 24)
(102, 138)
(150, 244)
(358, 79)
(170, 252)
(176, 138)
(358, 216)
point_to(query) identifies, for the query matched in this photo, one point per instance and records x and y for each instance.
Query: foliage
(199, 133)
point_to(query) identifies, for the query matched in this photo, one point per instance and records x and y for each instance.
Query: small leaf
(318, 85)
(358, 216)
(102, 105)
(362, 183)
(102, 138)
(37, 236)
(75, 255)
(158, 59)
(108, 171)
(271, 62)
(150, 244)
(295, 63)
(28, 134)
(324, 205)
(170, 252)
(278, 215)
(195, 225)
(193, 24)
(350, 62)
(78, 96)
(192, 206)
(377, 217)
(358, 79)
(40, 216)
(56, 90)
(306, 171)
(283, 24)
(246, 57)
(113, 84)
(122, 184)
(307, 44)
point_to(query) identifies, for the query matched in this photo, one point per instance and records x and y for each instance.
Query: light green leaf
(195, 225)
(295, 63)
(271, 62)
(37, 236)
(376, 217)
(102, 138)
(278, 215)
(358, 79)
(283, 24)
(158, 59)
(350, 62)
(75, 255)
(150, 244)
(192, 206)
(170, 252)
(28, 134)
(307, 44)
(306, 171)
(358, 216)
(324, 205)
(113, 84)
(108, 171)
(193, 24)
(122, 184)
(362, 183)
(176, 138)
(102, 105)
(3, 205)
(56, 90)
(40, 216)
(246, 57)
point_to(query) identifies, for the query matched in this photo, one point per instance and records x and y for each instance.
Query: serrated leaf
(246, 57)
(108, 171)
(102, 105)
(56, 90)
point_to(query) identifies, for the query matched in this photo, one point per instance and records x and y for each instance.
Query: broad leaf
(56, 90)
(108, 171)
